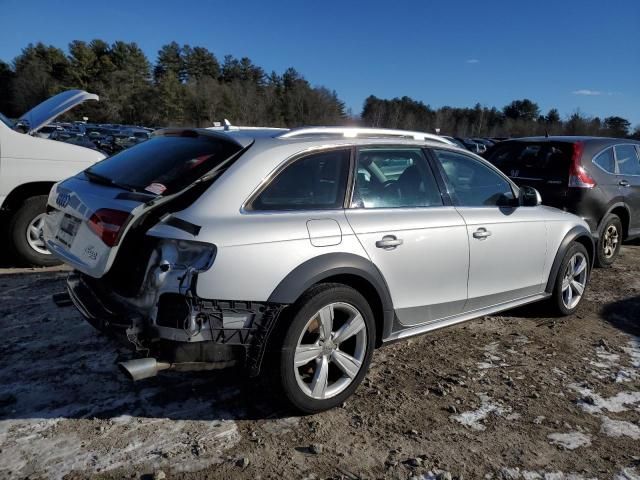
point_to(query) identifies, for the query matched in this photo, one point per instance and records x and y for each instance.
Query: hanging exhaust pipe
(142, 368)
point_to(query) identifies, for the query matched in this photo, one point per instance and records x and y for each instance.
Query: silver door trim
(446, 322)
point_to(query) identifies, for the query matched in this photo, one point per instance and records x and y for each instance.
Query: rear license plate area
(68, 229)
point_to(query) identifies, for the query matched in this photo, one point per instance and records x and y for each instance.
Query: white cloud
(473, 60)
(586, 91)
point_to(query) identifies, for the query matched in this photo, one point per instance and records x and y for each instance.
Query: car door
(507, 243)
(416, 238)
(628, 164)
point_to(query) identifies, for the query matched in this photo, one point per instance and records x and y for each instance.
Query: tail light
(108, 224)
(578, 176)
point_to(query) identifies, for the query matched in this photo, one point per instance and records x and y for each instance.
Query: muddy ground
(516, 396)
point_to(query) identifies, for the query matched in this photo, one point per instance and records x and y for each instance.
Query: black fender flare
(576, 232)
(319, 268)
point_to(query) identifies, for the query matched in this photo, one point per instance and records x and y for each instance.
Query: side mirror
(530, 197)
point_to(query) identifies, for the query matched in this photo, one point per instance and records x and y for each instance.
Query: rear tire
(571, 280)
(23, 238)
(609, 241)
(332, 326)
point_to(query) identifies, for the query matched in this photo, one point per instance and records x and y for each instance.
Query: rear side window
(394, 177)
(533, 160)
(314, 182)
(606, 161)
(627, 160)
(170, 163)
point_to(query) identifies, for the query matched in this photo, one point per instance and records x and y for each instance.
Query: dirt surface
(516, 396)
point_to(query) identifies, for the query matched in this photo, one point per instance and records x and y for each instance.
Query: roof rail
(358, 132)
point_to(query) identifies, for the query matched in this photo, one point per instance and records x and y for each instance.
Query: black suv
(595, 178)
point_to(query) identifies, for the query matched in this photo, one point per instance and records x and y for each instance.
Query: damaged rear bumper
(184, 331)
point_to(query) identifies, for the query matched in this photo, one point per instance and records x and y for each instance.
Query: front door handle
(389, 242)
(624, 183)
(481, 233)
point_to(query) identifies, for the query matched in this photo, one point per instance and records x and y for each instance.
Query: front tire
(609, 241)
(571, 280)
(327, 347)
(24, 233)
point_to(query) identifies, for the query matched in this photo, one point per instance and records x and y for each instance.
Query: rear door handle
(624, 183)
(481, 233)
(389, 242)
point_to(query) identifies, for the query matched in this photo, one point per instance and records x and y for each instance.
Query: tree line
(517, 119)
(186, 86)
(189, 86)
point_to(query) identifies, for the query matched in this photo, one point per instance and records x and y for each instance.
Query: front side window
(627, 160)
(606, 161)
(314, 182)
(394, 178)
(472, 183)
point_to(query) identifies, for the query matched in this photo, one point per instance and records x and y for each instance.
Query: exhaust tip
(142, 368)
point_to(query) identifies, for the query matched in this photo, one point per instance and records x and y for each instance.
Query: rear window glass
(532, 161)
(605, 160)
(169, 163)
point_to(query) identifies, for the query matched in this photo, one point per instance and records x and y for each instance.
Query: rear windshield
(533, 160)
(164, 164)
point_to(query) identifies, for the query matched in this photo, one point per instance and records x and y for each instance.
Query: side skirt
(446, 322)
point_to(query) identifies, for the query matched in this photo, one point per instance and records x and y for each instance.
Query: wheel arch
(622, 211)
(579, 234)
(24, 191)
(348, 269)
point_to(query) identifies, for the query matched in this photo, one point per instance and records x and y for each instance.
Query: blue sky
(567, 54)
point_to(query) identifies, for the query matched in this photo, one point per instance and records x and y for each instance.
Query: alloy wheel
(330, 350)
(574, 281)
(34, 235)
(610, 241)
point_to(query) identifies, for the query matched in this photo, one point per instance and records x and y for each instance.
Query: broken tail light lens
(108, 224)
(578, 176)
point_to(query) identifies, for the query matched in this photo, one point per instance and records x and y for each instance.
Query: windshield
(165, 164)
(6, 121)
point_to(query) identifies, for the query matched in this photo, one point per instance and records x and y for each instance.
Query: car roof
(570, 139)
(245, 136)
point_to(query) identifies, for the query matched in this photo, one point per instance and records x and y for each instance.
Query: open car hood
(51, 108)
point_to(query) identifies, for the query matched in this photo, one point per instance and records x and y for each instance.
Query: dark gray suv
(595, 178)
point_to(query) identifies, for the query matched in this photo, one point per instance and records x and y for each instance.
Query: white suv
(29, 166)
(204, 249)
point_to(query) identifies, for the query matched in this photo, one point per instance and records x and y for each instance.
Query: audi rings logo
(62, 200)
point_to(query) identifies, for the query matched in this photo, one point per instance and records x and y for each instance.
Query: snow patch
(473, 418)
(627, 474)
(517, 474)
(619, 428)
(50, 446)
(570, 440)
(592, 402)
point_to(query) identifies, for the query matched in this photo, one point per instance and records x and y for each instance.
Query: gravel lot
(518, 396)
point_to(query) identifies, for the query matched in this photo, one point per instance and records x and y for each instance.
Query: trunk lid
(90, 215)
(53, 107)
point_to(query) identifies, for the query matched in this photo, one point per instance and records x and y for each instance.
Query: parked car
(29, 166)
(472, 145)
(484, 141)
(307, 249)
(455, 141)
(598, 179)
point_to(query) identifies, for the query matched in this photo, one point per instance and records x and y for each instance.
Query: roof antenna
(227, 124)
(546, 133)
